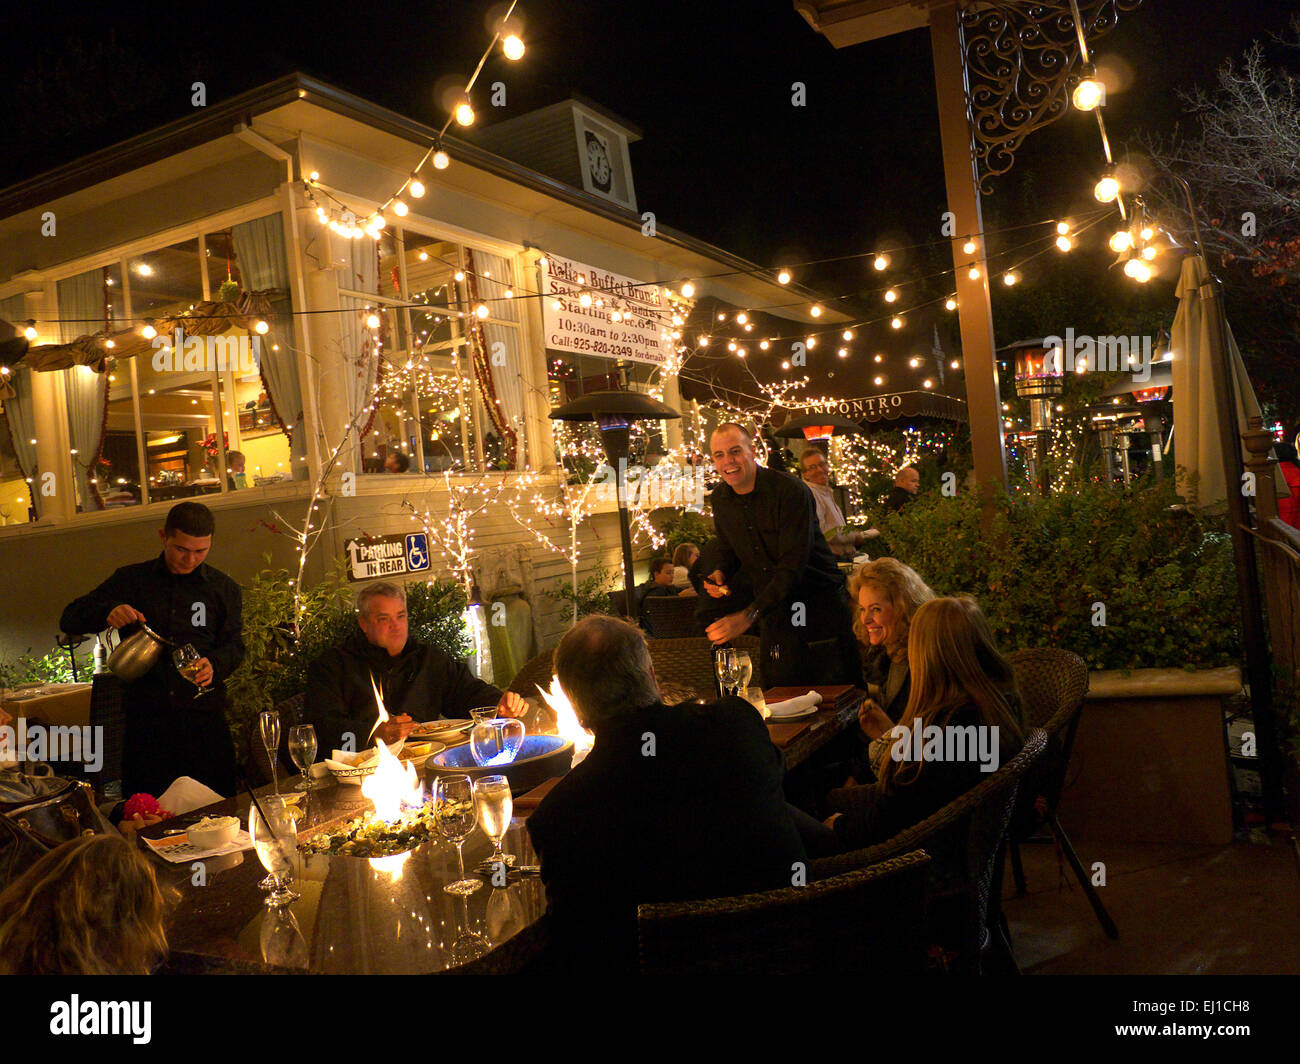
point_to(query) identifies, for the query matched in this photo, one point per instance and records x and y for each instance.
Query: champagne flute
(275, 839)
(302, 748)
(495, 806)
(456, 817)
(186, 659)
(270, 722)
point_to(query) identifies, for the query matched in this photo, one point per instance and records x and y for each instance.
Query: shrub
(1162, 573)
(53, 667)
(592, 595)
(684, 526)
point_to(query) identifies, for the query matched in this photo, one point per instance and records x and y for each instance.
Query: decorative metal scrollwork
(1022, 62)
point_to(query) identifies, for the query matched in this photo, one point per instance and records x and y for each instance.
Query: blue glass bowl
(540, 758)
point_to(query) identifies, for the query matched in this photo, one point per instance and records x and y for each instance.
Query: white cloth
(186, 794)
(792, 707)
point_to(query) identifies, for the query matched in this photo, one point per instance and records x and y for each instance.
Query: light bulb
(459, 275)
(1064, 243)
(843, 352)
(914, 362)
(1009, 278)
(810, 342)
(890, 296)
(481, 312)
(1107, 189)
(881, 262)
(950, 303)
(1121, 241)
(763, 345)
(585, 299)
(969, 247)
(703, 341)
(372, 321)
(261, 327)
(1089, 94)
(148, 332)
(878, 381)
(1147, 232)
(441, 160)
(399, 208)
(880, 358)
(848, 334)
(954, 364)
(896, 323)
(741, 318)
(783, 277)
(1148, 253)
(416, 188)
(465, 114)
(688, 290)
(1063, 227)
(512, 47)
(815, 310)
(973, 273)
(927, 383)
(30, 332)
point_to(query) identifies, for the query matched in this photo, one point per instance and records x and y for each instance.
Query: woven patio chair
(291, 713)
(965, 839)
(534, 672)
(671, 617)
(689, 662)
(829, 926)
(1052, 685)
(108, 711)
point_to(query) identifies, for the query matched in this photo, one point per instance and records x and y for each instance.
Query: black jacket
(701, 814)
(169, 733)
(422, 681)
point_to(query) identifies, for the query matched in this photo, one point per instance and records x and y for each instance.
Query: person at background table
(959, 680)
(235, 478)
(168, 732)
(683, 558)
(888, 594)
(91, 906)
(767, 532)
(907, 482)
(394, 462)
(843, 543)
(702, 816)
(417, 681)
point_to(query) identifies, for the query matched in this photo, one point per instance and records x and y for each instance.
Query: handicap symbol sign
(417, 552)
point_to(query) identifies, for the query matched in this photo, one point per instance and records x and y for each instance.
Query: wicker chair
(1052, 685)
(671, 617)
(291, 713)
(108, 711)
(829, 926)
(965, 839)
(689, 662)
(534, 673)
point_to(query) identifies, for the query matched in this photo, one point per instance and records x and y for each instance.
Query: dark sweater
(703, 816)
(422, 682)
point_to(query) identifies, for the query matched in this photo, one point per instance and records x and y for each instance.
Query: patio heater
(1040, 379)
(614, 412)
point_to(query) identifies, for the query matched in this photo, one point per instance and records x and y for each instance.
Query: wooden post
(975, 312)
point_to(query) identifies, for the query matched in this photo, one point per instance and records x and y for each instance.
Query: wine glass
(302, 748)
(282, 940)
(275, 839)
(494, 806)
(270, 722)
(746, 671)
(456, 817)
(186, 659)
(728, 671)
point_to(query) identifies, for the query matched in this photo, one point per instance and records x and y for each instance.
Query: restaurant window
(570, 375)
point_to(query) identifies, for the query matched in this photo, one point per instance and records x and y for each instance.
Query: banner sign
(642, 335)
(393, 555)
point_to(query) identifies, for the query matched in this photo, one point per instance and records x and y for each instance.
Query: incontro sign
(391, 555)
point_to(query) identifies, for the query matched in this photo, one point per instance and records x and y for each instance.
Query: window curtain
(81, 311)
(500, 380)
(259, 247)
(22, 429)
(361, 357)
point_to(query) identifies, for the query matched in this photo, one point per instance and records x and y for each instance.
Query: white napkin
(792, 707)
(186, 794)
(343, 759)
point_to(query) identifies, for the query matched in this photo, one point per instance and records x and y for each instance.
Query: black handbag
(39, 813)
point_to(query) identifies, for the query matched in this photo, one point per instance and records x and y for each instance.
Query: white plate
(423, 732)
(780, 718)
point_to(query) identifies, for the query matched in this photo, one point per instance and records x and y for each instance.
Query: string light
(783, 277)
(881, 262)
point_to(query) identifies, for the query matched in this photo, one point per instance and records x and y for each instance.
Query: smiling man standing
(767, 530)
(169, 732)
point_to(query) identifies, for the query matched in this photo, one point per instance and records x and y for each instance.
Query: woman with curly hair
(89, 907)
(887, 594)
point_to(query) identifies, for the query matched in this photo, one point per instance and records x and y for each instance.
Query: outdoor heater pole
(974, 309)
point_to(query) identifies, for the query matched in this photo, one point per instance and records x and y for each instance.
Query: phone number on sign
(596, 347)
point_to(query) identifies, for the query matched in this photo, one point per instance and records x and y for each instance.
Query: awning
(897, 406)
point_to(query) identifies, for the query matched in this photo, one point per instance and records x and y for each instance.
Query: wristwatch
(751, 614)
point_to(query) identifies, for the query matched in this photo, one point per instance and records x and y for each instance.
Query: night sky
(725, 155)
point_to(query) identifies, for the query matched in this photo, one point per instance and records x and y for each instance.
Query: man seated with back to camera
(672, 803)
(417, 681)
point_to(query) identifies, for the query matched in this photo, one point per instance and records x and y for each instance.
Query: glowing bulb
(30, 332)
(1107, 189)
(950, 303)
(731, 345)
(783, 277)
(1064, 243)
(1062, 227)
(1121, 241)
(896, 323)
(847, 334)
(261, 327)
(880, 262)
(763, 345)
(423, 256)
(741, 318)
(914, 362)
(1148, 232)
(313, 176)
(1009, 278)
(441, 160)
(556, 304)
(810, 342)
(399, 208)
(815, 310)
(927, 383)
(512, 47)
(372, 321)
(973, 273)
(891, 296)
(459, 275)
(785, 365)
(585, 299)
(969, 247)
(843, 352)
(703, 341)
(878, 381)
(144, 269)
(688, 290)
(465, 114)
(954, 364)
(481, 312)
(880, 358)
(148, 332)
(1148, 253)
(416, 188)
(1089, 94)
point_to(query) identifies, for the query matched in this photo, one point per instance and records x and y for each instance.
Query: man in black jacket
(671, 803)
(417, 681)
(169, 732)
(767, 532)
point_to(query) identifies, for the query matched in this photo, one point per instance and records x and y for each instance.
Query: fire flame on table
(394, 785)
(566, 720)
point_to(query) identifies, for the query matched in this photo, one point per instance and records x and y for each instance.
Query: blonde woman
(91, 906)
(887, 594)
(960, 724)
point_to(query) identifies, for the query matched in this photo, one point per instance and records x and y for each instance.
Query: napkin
(186, 794)
(342, 759)
(793, 706)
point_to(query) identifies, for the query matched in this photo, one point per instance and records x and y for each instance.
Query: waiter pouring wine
(175, 712)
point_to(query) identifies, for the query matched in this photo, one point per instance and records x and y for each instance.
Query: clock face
(598, 164)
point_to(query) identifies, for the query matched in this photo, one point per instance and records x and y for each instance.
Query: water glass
(302, 748)
(275, 839)
(456, 817)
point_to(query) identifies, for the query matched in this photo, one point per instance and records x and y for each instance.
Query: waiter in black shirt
(169, 732)
(768, 533)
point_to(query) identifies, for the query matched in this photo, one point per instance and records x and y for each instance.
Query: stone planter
(1150, 760)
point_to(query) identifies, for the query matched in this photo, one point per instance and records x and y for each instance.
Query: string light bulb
(512, 47)
(465, 114)
(1107, 189)
(881, 262)
(1064, 243)
(847, 334)
(481, 312)
(1149, 252)
(416, 187)
(891, 296)
(1121, 241)
(816, 310)
(441, 160)
(783, 277)
(399, 208)
(969, 247)
(1063, 228)
(261, 327)
(688, 290)
(148, 332)
(1090, 93)
(896, 323)
(1010, 278)
(30, 331)
(950, 303)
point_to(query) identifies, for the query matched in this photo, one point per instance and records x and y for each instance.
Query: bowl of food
(213, 832)
(352, 775)
(418, 753)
